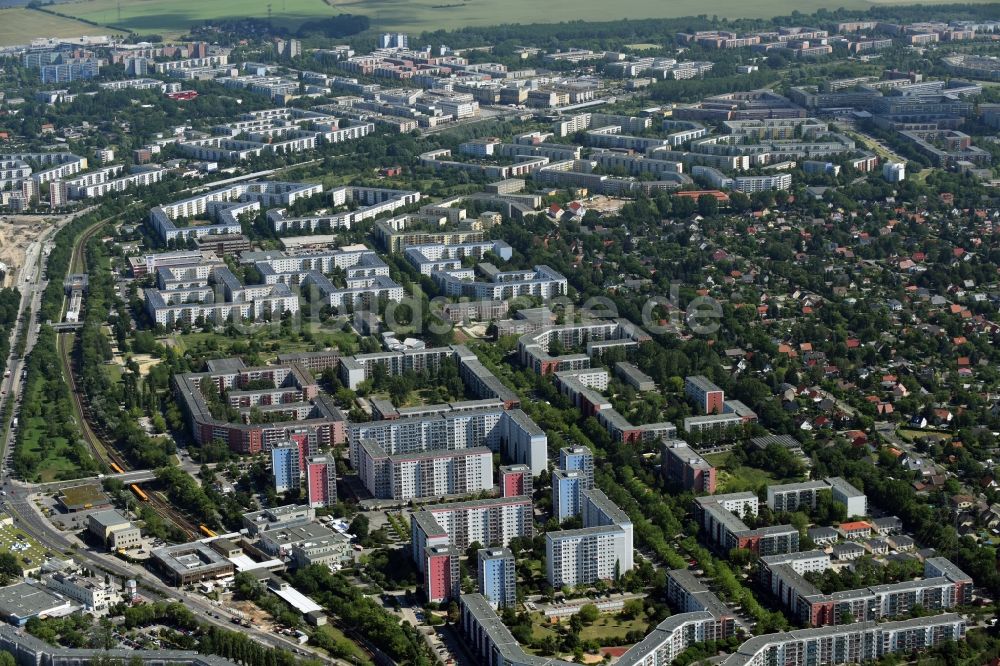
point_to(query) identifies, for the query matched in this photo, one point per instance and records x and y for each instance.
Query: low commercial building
(192, 562)
(331, 549)
(114, 530)
(280, 542)
(30, 651)
(93, 594)
(84, 498)
(22, 601)
(278, 517)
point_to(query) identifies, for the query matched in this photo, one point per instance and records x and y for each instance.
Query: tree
(10, 568)
(632, 609)
(708, 205)
(359, 527)
(588, 613)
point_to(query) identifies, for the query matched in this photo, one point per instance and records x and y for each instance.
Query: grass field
(172, 17)
(606, 628)
(739, 479)
(18, 26)
(357, 655)
(54, 463)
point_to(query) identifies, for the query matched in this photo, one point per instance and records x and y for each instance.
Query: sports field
(18, 26)
(172, 17)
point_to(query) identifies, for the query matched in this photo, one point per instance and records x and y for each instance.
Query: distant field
(172, 17)
(18, 26)
(419, 15)
(177, 16)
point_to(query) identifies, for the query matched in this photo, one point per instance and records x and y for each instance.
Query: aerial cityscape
(365, 333)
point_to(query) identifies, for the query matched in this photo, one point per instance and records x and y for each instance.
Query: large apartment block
(496, 576)
(566, 488)
(686, 468)
(583, 556)
(706, 395)
(294, 403)
(423, 474)
(511, 432)
(601, 550)
(579, 458)
(719, 518)
(492, 521)
(790, 497)
(843, 492)
(944, 586)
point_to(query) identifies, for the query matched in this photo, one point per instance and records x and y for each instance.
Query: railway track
(97, 440)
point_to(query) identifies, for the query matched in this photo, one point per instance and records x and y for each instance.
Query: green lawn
(910, 435)
(608, 626)
(172, 17)
(739, 479)
(357, 656)
(611, 626)
(54, 464)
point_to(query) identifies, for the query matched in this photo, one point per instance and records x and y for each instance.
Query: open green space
(609, 628)
(53, 456)
(19, 25)
(346, 647)
(12, 540)
(740, 478)
(172, 17)
(912, 435)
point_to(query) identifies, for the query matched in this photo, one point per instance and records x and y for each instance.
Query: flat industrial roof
(25, 600)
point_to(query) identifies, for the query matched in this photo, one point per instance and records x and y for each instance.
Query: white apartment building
(586, 555)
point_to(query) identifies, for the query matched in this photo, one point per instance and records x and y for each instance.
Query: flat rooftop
(25, 600)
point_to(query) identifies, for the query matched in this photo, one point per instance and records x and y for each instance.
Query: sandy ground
(17, 232)
(145, 362)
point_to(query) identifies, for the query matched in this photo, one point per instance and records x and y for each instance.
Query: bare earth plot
(17, 232)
